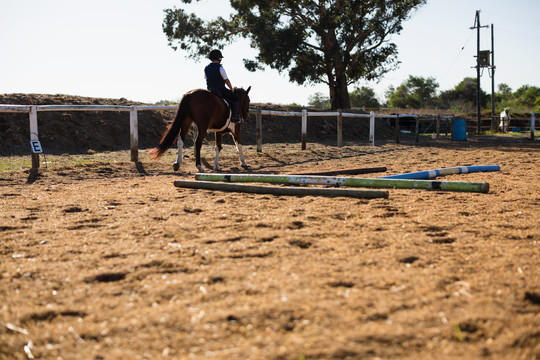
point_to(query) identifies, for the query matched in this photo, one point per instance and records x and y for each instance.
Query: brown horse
(210, 113)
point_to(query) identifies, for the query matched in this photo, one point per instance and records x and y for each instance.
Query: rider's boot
(234, 108)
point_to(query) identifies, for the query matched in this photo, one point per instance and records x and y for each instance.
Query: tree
(364, 97)
(319, 101)
(528, 96)
(336, 42)
(463, 96)
(505, 91)
(415, 92)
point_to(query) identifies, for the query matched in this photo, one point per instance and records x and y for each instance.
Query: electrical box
(483, 58)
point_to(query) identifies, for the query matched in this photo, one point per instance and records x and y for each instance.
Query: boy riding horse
(216, 79)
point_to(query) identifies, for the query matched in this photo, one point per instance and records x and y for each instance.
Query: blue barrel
(460, 129)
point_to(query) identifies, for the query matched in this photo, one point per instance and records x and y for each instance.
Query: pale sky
(116, 48)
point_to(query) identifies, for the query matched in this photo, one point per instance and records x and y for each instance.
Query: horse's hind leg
(218, 149)
(178, 162)
(181, 137)
(198, 144)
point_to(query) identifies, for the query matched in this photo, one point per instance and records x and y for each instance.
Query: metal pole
(478, 70)
(493, 121)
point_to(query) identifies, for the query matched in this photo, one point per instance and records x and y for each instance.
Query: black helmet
(215, 55)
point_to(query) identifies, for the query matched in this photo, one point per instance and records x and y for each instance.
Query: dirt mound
(80, 131)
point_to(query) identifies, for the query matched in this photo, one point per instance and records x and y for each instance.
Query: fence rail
(32, 110)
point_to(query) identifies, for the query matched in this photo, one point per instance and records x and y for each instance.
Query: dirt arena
(101, 259)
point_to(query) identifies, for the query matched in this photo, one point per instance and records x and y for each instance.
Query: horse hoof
(245, 166)
(200, 169)
(176, 166)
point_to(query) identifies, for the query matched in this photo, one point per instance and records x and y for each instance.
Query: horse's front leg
(238, 141)
(218, 149)
(178, 162)
(241, 154)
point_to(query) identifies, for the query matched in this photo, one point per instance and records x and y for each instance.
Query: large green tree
(416, 92)
(364, 97)
(463, 96)
(336, 42)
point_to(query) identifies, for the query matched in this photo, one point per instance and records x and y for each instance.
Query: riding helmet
(215, 55)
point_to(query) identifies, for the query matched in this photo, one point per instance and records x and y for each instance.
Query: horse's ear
(247, 91)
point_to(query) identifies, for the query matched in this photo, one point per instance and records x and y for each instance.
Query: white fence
(32, 110)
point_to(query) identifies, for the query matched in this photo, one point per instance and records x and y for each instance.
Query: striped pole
(430, 174)
(348, 181)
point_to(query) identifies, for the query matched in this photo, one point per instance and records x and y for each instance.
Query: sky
(117, 49)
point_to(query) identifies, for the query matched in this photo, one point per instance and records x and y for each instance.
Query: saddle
(218, 94)
(229, 106)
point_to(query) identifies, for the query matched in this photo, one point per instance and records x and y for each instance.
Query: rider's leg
(234, 108)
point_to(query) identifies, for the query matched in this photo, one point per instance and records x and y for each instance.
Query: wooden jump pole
(281, 190)
(431, 174)
(348, 181)
(348, 171)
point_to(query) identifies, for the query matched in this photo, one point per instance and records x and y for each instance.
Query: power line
(457, 56)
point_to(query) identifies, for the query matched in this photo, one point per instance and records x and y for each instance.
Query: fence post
(533, 119)
(34, 135)
(340, 128)
(417, 129)
(258, 128)
(372, 128)
(438, 127)
(134, 134)
(304, 128)
(397, 129)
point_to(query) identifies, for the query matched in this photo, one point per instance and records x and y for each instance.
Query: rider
(216, 79)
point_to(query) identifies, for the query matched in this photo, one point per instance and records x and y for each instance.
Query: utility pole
(478, 65)
(493, 120)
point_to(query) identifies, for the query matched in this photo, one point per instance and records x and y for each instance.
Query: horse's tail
(172, 130)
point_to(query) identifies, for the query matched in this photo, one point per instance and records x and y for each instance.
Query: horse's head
(243, 108)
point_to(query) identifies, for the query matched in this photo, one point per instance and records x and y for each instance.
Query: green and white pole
(348, 181)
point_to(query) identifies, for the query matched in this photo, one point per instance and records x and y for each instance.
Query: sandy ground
(101, 260)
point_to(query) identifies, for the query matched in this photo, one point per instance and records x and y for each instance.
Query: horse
(505, 120)
(210, 113)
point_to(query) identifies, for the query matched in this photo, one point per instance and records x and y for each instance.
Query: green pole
(349, 181)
